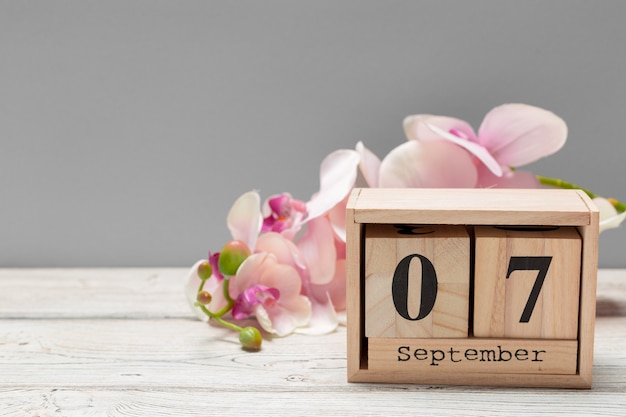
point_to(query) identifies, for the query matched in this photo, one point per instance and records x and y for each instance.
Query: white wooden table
(122, 342)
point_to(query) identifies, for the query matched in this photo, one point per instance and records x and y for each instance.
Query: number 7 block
(527, 282)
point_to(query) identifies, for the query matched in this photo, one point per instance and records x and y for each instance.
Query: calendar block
(513, 304)
(417, 281)
(526, 282)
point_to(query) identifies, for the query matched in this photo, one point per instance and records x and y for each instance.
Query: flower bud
(204, 297)
(250, 338)
(205, 270)
(232, 256)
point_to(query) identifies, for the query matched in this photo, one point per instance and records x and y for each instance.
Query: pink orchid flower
(286, 215)
(279, 264)
(267, 284)
(282, 213)
(271, 291)
(270, 235)
(609, 217)
(511, 135)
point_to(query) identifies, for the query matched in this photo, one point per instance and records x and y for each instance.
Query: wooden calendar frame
(372, 360)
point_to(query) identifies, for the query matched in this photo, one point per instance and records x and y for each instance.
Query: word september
(405, 353)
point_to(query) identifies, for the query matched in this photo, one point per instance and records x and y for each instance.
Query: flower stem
(249, 337)
(229, 301)
(559, 183)
(217, 317)
(226, 288)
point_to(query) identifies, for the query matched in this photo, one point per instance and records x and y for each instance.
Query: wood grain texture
(479, 206)
(110, 293)
(82, 363)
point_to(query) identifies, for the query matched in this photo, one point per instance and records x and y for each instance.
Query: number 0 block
(417, 281)
(527, 282)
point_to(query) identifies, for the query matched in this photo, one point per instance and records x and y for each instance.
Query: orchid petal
(317, 248)
(265, 269)
(609, 218)
(417, 127)
(518, 134)
(323, 319)
(337, 217)
(282, 277)
(343, 318)
(282, 320)
(369, 165)
(244, 218)
(338, 174)
(247, 300)
(511, 179)
(191, 289)
(612, 222)
(300, 309)
(335, 289)
(428, 164)
(475, 149)
(340, 247)
(285, 250)
(247, 274)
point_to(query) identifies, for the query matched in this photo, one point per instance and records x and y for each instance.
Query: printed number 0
(530, 263)
(400, 287)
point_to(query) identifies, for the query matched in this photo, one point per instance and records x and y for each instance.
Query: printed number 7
(530, 263)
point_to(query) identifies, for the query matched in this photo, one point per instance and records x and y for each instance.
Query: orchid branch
(249, 337)
(559, 183)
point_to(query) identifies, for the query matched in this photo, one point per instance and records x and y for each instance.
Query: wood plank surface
(471, 206)
(81, 353)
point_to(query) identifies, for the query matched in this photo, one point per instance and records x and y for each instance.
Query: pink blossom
(248, 299)
(274, 264)
(283, 214)
(511, 135)
(256, 286)
(271, 290)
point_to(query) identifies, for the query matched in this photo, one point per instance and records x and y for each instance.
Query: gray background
(128, 128)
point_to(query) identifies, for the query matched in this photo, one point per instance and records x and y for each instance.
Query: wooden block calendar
(471, 286)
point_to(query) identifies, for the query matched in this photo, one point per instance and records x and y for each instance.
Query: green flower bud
(232, 256)
(204, 297)
(205, 270)
(250, 338)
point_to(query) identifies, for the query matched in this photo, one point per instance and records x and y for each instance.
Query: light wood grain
(479, 206)
(80, 362)
(114, 292)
